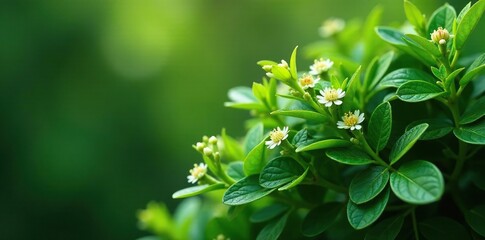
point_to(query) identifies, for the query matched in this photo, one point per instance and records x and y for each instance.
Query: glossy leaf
(245, 191)
(232, 149)
(274, 229)
(380, 125)
(241, 95)
(254, 161)
(439, 228)
(320, 219)
(246, 106)
(406, 142)
(418, 91)
(414, 15)
(254, 136)
(474, 70)
(350, 156)
(463, 12)
(450, 79)
(305, 114)
(400, 76)
(377, 69)
(387, 229)
(473, 134)
(438, 128)
(475, 217)
(323, 144)
(366, 185)
(474, 111)
(442, 17)
(235, 170)
(268, 213)
(293, 70)
(362, 215)
(196, 190)
(279, 171)
(418, 182)
(295, 182)
(423, 43)
(468, 23)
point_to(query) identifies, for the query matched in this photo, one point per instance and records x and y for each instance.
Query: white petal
(328, 104)
(337, 102)
(268, 143)
(358, 127)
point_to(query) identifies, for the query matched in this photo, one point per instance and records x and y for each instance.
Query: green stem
(460, 162)
(358, 134)
(455, 58)
(415, 224)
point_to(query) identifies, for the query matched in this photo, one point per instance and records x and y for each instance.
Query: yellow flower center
(277, 136)
(306, 80)
(197, 171)
(331, 95)
(350, 119)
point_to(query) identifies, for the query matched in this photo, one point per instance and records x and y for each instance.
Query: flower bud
(267, 68)
(440, 36)
(200, 146)
(208, 152)
(213, 140)
(205, 139)
(217, 156)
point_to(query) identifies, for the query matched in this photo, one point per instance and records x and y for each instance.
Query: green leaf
(418, 182)
(350, 156)
(301, 137)
(245, 191)
(474, 111)
(474, 70)
(351, 89)
(259, 91)
(235, 170)
(293, 70)
(320, 219)
(418, 91)
(406, 142)
(475, 217)
(468, 23)
(439, 228)
(380, 125)
(196, 190)
(387, 229)
(279, 171)
(423, 43)
(254, 161)
(442, 17)
(266, 62)
(395, 38)
(269, 212)
(362, 215)
(451, 78)
(400, 76)
(294, 182)
(241, 94)
(232, 148)
(323, 144)
(414, 16)
(254, 136)
(438, 128)
(246, 106)
(366, 185)
(439, 73)
(274, 229)
(281, 73)
(463, 12)
(377, 69)
(473, 134)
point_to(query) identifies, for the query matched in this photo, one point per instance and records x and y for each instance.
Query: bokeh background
(101, 101)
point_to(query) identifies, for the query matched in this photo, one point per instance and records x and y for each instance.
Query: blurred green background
(102, 100)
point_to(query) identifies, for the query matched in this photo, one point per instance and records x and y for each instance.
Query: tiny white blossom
(319, 66)
(277, 136)
(307, 81)
(197, 172)
(331, 26)
(331, 96)
(351, 120)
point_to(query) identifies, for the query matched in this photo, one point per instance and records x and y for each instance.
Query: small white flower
(351, 120)
(307, 81)
(331, 96)
(277, 136)
(320, 66)
(197, 172)
(331, 26)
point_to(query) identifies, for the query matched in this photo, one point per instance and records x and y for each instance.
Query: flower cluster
(440, 36)
(197, 173)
